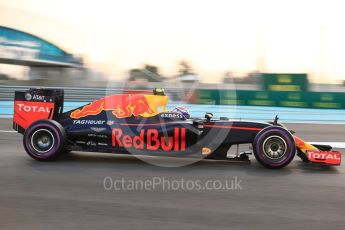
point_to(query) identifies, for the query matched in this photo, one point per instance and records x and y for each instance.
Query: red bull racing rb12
(139, 123)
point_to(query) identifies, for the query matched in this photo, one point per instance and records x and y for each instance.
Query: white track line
(340, 145)
(7, 131)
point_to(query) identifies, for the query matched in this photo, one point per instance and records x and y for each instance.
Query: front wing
(311, 153)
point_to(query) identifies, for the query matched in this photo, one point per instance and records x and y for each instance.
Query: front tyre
(274, 147)
(44, 140)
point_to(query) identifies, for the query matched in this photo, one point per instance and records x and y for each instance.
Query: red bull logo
(124, 105)
(150, 140)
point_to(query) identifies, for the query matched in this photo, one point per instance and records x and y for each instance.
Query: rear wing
(36, 104)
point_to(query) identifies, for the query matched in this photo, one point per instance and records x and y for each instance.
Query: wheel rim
(274, 147)
(42, 141)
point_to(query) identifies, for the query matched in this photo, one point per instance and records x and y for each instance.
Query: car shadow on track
(252, 167)
(143, 161)
(315, 168)
(105, 161)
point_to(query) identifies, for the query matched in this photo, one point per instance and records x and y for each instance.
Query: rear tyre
(274, 147)
(44, 140)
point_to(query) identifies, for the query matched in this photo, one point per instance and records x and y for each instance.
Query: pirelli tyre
(44, 140)
(274, 147)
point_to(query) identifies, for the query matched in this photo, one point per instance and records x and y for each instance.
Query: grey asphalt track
(69, 193)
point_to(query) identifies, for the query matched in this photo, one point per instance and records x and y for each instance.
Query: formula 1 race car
(138, 123)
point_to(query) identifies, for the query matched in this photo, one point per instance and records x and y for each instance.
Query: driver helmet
(181, 110)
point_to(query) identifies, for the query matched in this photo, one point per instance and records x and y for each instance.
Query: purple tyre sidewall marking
(57, 138)
(289, 144)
